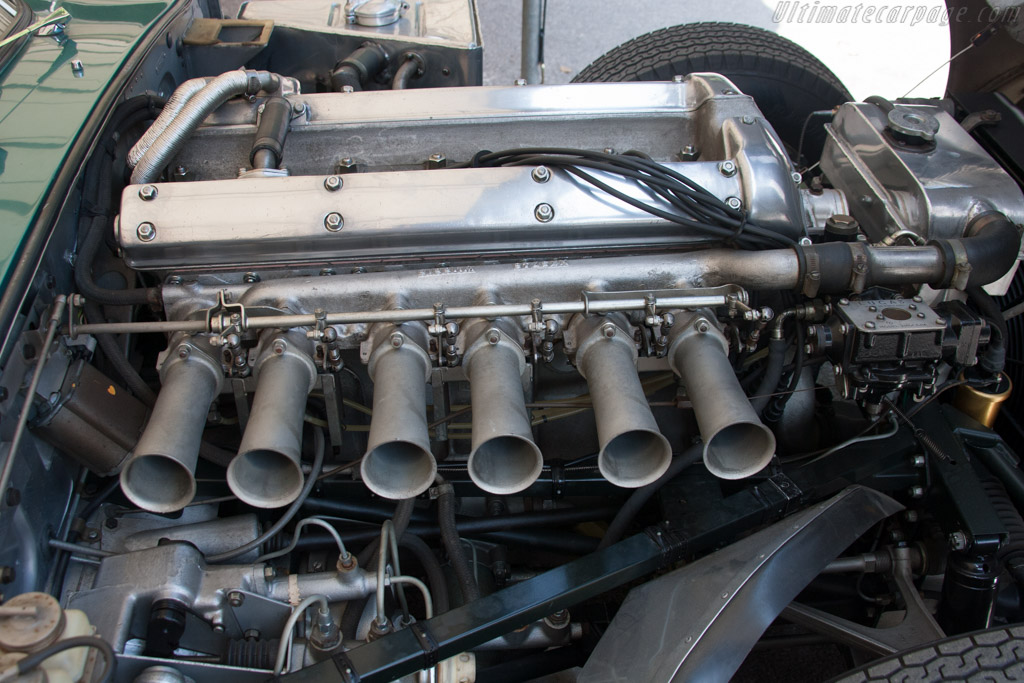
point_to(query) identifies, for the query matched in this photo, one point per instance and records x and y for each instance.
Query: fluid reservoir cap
(375, 12)
(30, 622)
(913, 127)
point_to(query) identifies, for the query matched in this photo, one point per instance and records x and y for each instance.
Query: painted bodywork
(44, 105)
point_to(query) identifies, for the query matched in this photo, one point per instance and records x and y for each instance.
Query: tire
(786, 81)
(992, 656)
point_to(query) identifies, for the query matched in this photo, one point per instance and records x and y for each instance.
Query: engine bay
(537, 345)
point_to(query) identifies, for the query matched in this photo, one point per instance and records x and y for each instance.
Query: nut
(147, 193)
(332, 183)
(397, 340)
(544, 212)
(146, 232)
(334, 222)
(235, 599)
(608, 331)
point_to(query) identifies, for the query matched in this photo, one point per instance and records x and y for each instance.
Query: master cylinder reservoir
(32, 621)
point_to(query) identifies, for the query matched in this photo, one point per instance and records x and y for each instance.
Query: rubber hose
(453, 544)
(772, 374)
(88, 287)
(993, 360)
(636, 501)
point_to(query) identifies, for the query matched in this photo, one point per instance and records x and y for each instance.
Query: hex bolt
(519, 82)
(218, 628)
(677, 78)
(251, 278)
(279, 347)
(608, 331)
(797, 178)
(544, 212)
(701, 326)
(183, 352)
(235, 599)
(689, 153)
(332, 183)
(174, 280)
(493, 337)
(347, 89)
(327, 271)
(541, 174)
(437, 160)
(397, 340)
(727, 168)
(957, 541)
(347, 165)
(916, 491)
(148, 193)
(93, 535)
(334, 222)
(146, 232)
(918, 460)
(734, 203)
(748, 120)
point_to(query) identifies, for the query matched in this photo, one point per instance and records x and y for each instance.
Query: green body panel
(44, 104)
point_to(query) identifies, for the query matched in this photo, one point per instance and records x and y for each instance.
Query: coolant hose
(772, 374)
(200, 105)
(452, 542)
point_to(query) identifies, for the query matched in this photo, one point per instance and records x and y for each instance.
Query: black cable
(101, 646)
(636, 501)
(694, 206)
(803, 132)
(320, 448)
(108, 344)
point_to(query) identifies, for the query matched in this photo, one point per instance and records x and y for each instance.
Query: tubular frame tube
(160, 476)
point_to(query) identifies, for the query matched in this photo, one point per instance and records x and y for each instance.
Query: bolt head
(608, 331)
(251, 278)
(748, 120)
(347, 89)
(797, 178)
(702, 326)
(334, 222)
(332, 183)
(677, 78)
(148, 193)
(183, 352)
(493, 337)
(870, 325)
(519, 81)
(397, 340)
(544, 212)
(734, 203)
(727, 168)
(235, 599)
(541, 174)
(916, 491)
(146, 232)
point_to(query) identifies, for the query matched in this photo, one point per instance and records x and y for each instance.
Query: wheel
(992, 656)
(786, 81)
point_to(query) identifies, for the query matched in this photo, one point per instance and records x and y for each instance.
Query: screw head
(146, 232)
(541, 174)
(544, 212)
(148, 193)
(334, 222)
(332, 183)
(734, 203)
(397, 340)
(727, 168)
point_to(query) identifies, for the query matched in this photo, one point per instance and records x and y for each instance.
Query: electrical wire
(690, 204)
(308, 521)
(289, 628)
(32, 661)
